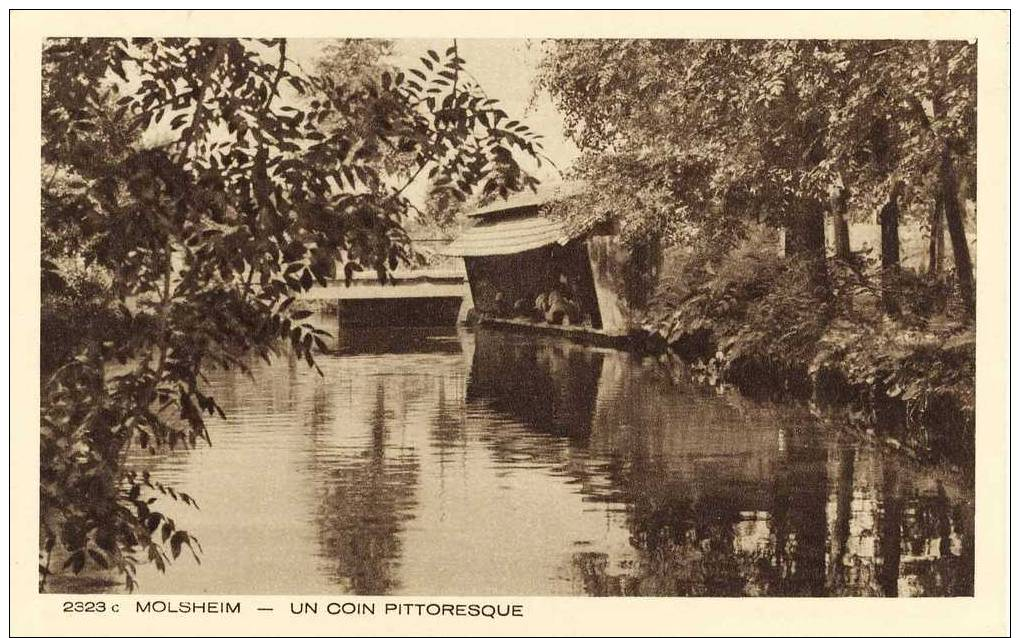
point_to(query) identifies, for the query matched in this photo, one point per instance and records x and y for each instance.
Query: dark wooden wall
(498, 282)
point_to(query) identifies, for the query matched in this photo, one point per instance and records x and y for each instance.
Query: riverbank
(886, 423)
(905, 377)
(906, 382)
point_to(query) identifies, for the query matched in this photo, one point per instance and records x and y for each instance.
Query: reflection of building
(550, 385)
(529, 270)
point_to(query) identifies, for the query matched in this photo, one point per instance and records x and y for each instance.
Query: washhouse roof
(544, 193)
(515, 225)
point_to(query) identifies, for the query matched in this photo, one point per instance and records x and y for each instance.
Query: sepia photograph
(507, 317)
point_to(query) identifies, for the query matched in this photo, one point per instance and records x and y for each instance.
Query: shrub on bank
(752, 318)
(915, 382)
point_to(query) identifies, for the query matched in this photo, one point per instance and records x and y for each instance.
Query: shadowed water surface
(481, 463)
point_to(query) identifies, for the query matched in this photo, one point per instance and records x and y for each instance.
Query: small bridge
(413, 298)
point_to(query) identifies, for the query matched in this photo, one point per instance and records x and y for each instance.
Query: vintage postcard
(487, 323)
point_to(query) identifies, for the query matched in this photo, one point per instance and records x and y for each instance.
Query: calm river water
(446, 462)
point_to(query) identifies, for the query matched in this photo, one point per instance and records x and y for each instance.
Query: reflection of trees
(799, 514)
(699, 537)
(839, 534)
(446, 427)
(888, 538)
(716, 504)
(370, 479)
(863, 543)
(686, 547)
(937, 555)
(367, 502)
(881, 539)
(591, 570)
(890, 531)
(696, 536)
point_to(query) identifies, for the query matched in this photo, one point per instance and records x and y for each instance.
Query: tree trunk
(840, 228)
(805, 238)
(957, 236)
(937, 239)
(889, 218)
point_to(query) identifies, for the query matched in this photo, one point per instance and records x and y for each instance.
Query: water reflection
(550, 388)
(368, 498)
(489, 463)
(722, 497)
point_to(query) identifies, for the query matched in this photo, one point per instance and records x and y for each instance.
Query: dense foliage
(748, 317)
(192, 188)
(696, 138)
(735, 154)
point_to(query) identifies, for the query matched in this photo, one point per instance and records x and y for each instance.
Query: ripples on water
(489, 463)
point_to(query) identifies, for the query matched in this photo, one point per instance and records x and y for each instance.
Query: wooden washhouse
(526, 270)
